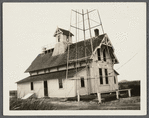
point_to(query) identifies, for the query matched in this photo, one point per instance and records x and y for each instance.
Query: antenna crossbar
(77, 12)
(76, 27)
(90, 11)
(92, 27)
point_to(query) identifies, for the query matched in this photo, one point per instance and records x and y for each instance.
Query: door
(45, 88)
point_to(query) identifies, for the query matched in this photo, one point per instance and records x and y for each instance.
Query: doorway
(45, 88)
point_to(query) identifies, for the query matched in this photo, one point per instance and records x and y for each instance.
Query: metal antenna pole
(100, 22)
(68, 55)
(78, 93)
(90, 30)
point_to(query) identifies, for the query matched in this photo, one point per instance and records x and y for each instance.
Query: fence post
(78, 95)
(129, 93)
(99, 97)
(117, 95)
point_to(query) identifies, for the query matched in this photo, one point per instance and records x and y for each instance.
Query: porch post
(117, 96)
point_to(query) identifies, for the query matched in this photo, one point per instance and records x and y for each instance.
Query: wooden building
(88, 72)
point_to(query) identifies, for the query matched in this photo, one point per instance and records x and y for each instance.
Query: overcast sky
(29, 26)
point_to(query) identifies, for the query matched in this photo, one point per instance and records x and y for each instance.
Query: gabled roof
(52, 75)
(65, 32)
(43, 61)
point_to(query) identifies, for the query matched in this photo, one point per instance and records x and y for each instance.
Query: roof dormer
(63, 35)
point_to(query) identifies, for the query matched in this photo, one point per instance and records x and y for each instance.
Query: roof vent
(96, 32)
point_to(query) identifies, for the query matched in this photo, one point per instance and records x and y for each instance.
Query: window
(82, 82)
(32, 87)
(60, 83)
(67, 38)
(114, 80)
(58, 38)
(106, 74)
(100, 74)
(98, 53)
(104, 55)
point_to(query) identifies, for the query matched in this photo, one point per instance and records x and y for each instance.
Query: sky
(27, 27)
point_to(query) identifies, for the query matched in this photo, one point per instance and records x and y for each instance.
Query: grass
(29, 104)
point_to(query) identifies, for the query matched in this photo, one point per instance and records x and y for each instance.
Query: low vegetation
(29, 104)
(133, 85)
(86, 103)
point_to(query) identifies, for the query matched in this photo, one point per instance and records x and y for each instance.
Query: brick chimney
(96, 32)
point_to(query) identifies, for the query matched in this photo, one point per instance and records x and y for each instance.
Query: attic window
(98, 53)
(67, 38)
(104, 55)
(58, 38)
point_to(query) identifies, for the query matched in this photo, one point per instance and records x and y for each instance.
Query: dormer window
(67, 38)
(58, 38)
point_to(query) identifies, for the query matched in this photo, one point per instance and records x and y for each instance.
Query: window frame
(106, 76)
(114, 80)
(58, 38)
(98, 54)
(101, 77)
(104, 55)
(60, 83)
(32, 86)
(82, 81)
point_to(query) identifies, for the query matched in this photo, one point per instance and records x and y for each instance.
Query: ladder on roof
(80, 25)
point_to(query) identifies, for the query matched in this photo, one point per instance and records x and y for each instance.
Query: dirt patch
(132, 103)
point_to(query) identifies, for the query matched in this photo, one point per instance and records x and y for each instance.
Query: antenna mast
(84, 29)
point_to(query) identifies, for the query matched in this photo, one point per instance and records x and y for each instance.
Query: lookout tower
(63, 38)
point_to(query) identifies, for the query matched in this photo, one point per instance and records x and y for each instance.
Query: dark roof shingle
(66, 32)
(44, 61)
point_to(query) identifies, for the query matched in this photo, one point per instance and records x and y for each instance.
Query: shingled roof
(52, 75)
(43, 61)
(66, 32)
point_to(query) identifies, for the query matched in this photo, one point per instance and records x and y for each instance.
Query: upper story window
(114, 80)
(98, 53)
(82, 82)
(104, 55)
(100, 74)
(58, 38)
(32, 87)
(106, 75)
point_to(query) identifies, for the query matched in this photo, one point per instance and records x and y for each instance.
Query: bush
(135, 90)
(29, 104)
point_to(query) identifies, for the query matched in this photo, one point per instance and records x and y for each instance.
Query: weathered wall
(94, 72)
(64, 38)
(23, 89)
(38, 88)
(77, 78)
(41, 72)
(68, 89)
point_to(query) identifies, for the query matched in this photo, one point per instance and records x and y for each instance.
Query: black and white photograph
(74, 58)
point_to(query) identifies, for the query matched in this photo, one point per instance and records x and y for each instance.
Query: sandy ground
(131, 103)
